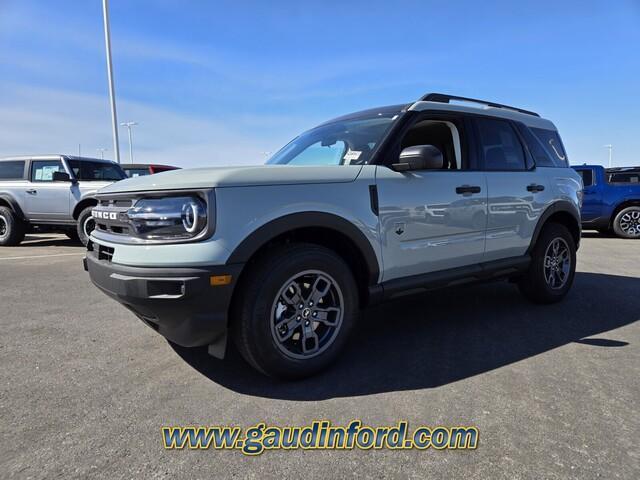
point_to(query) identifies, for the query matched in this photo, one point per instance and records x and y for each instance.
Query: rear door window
(500, 148)
(587, 177)
(13, 170)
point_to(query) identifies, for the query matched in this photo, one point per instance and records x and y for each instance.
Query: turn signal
(219, 280)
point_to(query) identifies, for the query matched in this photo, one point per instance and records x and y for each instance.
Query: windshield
(87, 170)
(348, 142)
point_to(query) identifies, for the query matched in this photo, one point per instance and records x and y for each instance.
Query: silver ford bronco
(361, 209)
(51, 193)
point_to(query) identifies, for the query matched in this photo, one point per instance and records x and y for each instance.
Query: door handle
(467, 189)
(32, 192)
(534, 187)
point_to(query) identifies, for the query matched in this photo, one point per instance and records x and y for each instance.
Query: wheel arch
(562, 212)
(328, 230)
(10, 202)
(82, 204)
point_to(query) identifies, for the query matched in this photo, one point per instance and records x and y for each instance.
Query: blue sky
(224, 82)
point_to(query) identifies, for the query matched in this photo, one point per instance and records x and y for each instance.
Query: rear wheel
(553, 266)
(297, 307)
(12, 229)
(86, 224)
(627, 222)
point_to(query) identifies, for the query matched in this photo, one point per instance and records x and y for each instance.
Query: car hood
(197, 178)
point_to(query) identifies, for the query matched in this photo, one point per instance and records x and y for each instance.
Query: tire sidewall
(82, 218)
(616, 222)
(262, 344)
(552, 232)
(7, 219)
(15, 229)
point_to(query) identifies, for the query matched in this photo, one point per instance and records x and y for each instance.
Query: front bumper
(179, 303)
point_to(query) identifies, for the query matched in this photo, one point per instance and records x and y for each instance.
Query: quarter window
(551, 142)
(624, 177)
(42, 170)
(13, 170)
(500, 147)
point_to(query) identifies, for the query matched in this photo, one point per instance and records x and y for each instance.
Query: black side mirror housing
(419, 157)
(61, 177)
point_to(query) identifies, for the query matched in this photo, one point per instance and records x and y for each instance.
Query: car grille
(110, 216)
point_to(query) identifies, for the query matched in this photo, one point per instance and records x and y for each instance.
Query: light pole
(129, 125)
(101, 151)
(610, 147)
(112, 93)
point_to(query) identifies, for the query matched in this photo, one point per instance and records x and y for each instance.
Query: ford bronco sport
(51, 193)
(363, 208)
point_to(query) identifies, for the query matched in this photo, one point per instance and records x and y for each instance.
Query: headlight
(168, 218)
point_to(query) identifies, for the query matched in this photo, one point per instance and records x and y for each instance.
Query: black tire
(12, 229)
(627, 222)
(262, 291)
(73, 235)
(546, 284)
(85, 225)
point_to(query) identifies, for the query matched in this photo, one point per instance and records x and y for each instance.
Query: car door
(592, 199)
(46, 200)
(432, 220)
(518, 191)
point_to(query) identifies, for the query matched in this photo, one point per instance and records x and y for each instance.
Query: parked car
(611, 199)
(282, 256)
(141, 169)
(51, 193)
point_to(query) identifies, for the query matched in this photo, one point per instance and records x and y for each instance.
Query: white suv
(51, 193)
(363, 208)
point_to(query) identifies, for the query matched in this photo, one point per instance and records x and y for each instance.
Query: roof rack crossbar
(444, 98)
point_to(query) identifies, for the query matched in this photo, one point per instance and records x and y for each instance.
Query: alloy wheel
(630, 223)
(557, 263)
(307, 314)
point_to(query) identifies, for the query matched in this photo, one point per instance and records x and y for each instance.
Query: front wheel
(297, 307)
(627, 222)
(86, 224)
(553, 266)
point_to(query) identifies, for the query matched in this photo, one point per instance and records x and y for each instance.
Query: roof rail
(444, 98)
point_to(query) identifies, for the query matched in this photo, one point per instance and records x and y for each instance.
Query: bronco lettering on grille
(105, 215)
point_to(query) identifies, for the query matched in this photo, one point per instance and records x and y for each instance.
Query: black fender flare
(14, 205)
(294, 221)
(560, 206)
(83, 201)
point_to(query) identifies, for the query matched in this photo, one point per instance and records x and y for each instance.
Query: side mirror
(419, 157)
(61, 177)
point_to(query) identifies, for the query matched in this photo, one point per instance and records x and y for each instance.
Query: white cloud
(40, 120)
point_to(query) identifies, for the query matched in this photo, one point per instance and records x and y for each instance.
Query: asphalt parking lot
(554, 391)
